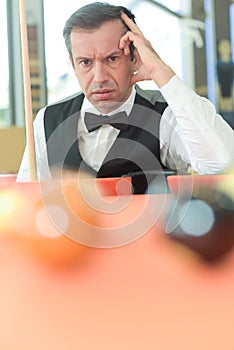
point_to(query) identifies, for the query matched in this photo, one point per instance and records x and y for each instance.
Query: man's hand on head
(149, 64)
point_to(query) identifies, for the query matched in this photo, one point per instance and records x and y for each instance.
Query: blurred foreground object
(57, 220)
(204, 221)
(37, 218)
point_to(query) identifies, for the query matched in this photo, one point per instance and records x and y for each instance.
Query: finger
(131, 25)
(124, 45)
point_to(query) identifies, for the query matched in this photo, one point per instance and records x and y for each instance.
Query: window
(11, 87)
(4, 68)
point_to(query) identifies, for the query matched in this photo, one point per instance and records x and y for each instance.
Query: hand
(150, 65)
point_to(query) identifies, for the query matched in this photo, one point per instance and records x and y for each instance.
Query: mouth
(102, 94)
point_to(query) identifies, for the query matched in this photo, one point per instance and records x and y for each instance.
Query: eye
(85, 62)
(113, 59)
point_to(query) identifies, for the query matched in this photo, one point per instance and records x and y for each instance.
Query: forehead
(105, 38)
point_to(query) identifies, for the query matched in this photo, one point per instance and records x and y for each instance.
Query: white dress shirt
(191, 134)
(95, 145)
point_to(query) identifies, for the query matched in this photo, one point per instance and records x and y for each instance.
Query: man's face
(103, 71)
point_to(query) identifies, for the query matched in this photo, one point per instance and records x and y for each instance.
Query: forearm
(161, 73)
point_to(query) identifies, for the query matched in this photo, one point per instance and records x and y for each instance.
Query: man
(172, 128)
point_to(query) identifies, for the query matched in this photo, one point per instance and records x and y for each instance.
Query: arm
(150, 65)
(43, 171)
(191, 132)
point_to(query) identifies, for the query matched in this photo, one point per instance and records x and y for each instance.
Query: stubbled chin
(106, 106)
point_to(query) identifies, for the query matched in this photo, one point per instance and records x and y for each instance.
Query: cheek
(124, 73)
(126, 76)
(127, 73)
(83, 79)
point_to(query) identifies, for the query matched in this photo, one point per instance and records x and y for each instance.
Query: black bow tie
(94, 121)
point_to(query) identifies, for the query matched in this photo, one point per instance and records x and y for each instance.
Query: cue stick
(27, 93)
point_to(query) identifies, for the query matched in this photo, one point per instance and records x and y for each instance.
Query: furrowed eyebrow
(81, 58)
(117, 52)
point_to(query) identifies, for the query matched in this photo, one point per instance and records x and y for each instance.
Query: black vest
(135, 150)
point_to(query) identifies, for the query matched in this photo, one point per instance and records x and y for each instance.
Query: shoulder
(152, 99)
(78, 97)
(152, 96)
(61, 110)
(57, 113)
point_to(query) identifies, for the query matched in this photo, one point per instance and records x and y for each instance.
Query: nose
(100, 72)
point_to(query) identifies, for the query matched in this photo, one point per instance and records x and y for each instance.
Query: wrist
(162, 75)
